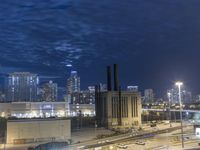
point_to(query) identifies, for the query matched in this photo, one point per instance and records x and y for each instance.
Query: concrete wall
(27, 131)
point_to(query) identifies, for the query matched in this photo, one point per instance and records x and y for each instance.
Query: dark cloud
(151, 40)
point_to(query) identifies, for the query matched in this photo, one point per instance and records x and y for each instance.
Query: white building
(115, 109)
(44, 109)
(38, 130)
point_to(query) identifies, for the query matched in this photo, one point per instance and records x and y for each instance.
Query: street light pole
(169, 97)
(95, 128)
(179, 84)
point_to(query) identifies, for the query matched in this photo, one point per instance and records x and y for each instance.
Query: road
(127, 137)
(165, 138)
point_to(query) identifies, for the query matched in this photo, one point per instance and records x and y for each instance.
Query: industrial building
(115, 107)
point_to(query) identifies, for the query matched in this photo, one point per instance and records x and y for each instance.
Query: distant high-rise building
(2, 96)
(61, 94)
(83, 97)
(49, 91)
(91, 91)
(22, 86)
(149, 96)
(173, 95)
(73, 83)
(103, 87)
(197, 98)
(73, 88)
(186, 96)
(132, 88)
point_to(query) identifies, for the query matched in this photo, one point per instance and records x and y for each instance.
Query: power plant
(115, 107)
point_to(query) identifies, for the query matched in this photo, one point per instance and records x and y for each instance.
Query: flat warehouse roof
(42, 119)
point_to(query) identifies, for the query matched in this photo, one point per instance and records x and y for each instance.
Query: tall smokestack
(109, 80)
(116, 79)
(120, 108)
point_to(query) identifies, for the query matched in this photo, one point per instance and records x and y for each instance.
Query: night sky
(155, 42)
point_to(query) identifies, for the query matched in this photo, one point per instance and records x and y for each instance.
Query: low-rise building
(117, 108)
(44, 109)
(38, 130)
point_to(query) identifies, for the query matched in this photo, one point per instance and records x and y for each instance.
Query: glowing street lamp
(179, 84)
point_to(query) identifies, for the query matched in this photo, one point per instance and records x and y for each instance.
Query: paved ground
(82, 135)
(86, 137)
(86, 134)
(160, 142)
(166, 141)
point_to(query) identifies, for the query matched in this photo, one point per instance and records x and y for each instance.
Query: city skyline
(49, 90)
(45, 80)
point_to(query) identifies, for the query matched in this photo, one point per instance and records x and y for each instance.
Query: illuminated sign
(47, 106)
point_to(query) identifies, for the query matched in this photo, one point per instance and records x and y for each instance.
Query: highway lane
(122, 138)
(137, 137)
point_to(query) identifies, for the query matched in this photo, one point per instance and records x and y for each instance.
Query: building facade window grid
(134, 107)
(115, 109)
(124, 104)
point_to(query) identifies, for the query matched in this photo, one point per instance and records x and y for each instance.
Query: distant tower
(173, 96)
(149, 96)
(49, 91)
(22, 86)
(73, 83)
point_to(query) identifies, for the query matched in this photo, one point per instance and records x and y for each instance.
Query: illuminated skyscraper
(73, 87)
(22, 86)
(73, 83)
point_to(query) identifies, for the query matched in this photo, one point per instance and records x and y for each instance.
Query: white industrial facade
(38, 130)
(118, 108)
